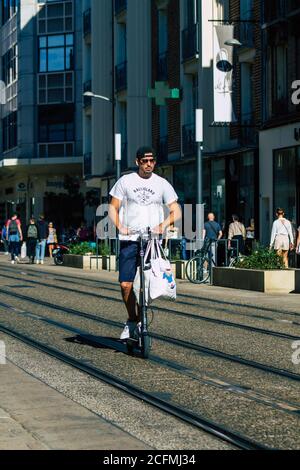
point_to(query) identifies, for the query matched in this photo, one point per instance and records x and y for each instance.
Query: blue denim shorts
(129, 260)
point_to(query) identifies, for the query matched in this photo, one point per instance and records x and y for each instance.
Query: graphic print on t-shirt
(144, 196)
(142, 201)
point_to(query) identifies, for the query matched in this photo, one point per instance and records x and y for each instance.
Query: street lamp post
(117, 152)
(199, 198)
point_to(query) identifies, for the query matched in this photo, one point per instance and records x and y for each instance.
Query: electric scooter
(140, 341)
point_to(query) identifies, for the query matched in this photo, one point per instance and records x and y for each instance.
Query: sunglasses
(144, 161)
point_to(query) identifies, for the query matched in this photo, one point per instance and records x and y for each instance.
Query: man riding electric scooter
(137, 203)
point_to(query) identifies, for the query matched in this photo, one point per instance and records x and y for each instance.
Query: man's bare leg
(130, 301)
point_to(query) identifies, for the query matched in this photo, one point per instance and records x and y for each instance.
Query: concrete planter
(90, 262)
(297, 281)
(109, 262)
(180, 269)
(275, 281)
(77, 261)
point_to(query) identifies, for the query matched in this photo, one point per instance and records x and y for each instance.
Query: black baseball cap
(142, 151)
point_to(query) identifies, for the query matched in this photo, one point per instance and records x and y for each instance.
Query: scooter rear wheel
(146, 346)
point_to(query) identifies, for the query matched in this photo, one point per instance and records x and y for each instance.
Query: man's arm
(113, 214)
(20, 232)
(175, 214)
(220, 234)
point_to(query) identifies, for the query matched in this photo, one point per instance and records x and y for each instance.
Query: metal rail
(174, 312)
(177, 342)
(206, 425)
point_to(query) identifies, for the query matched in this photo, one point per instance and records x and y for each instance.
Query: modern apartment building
(250, 160)
(41, 121)
(170, 42)
(279, 144)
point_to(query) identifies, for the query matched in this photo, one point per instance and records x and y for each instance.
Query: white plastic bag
(162, 282)
(159, 279)
(23, 250)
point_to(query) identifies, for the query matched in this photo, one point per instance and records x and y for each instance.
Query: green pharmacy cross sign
(161, 92)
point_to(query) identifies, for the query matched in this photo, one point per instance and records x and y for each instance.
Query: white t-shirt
(143, 201)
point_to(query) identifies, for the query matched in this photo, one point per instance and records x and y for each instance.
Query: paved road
(61, 306)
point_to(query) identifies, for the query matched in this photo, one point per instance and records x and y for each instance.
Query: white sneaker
(17, 259)
(37, 261)
(42, 261)
(128, 330)
(12, 262)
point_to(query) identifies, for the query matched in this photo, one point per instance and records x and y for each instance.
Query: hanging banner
(223, 75)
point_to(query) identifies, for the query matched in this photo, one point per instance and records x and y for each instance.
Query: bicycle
(198, 268)
(141, 339)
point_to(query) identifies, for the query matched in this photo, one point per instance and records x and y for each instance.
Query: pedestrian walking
(43, 235)
(282, 236)
(32, 237)
(3, 239)
(213, 232)
(14, 236)
(52, 238)
(237, 231)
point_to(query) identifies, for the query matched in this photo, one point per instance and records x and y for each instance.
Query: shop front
(230, 186)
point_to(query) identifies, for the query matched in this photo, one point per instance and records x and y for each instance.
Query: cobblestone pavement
(51, 304)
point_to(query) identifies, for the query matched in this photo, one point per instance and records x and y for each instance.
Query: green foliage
(104, 249)
(261, 258)
(85, 248)
(82, 249)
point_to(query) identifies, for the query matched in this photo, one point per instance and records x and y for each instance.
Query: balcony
(56, 150)
(120, 6)
(188, 140)
(87, 164)
(162, 67)
(190, 42)
(162, 149)
(121, 76)
(87, 22)
(87, 100)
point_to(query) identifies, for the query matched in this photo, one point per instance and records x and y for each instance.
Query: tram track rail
(194, 419)
(193, 316)
(113, 287)
(184, 370)
(174, 341)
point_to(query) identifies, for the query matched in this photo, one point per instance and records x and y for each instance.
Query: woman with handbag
(282, 239)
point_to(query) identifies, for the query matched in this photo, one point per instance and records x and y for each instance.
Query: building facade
(168, 43)
(279, 143)
(41, 119)
(250, 162)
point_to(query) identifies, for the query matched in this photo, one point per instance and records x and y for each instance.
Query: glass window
(56, 59)
(285, 181)
(54, 41)
(9, 131)
(56, 53)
